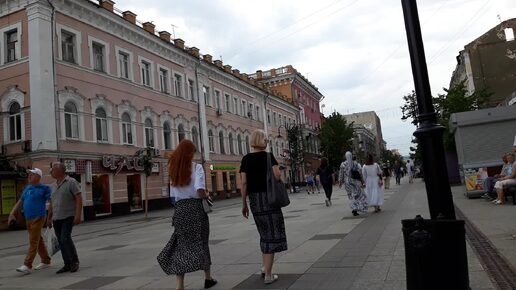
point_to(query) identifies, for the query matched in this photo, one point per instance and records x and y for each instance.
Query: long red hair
(180, 163)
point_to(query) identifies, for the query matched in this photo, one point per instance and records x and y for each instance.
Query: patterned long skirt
(188, 248)
(356, 195)
(269, 222)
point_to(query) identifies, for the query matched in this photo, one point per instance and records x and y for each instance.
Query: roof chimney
(218, 63)
(165, 35)
(227, 68)
(107, 4)
(194, 51)
(129, 16)
(207, 58)
(259, 75)
(236, 73)
(179, 43)
(149, 27)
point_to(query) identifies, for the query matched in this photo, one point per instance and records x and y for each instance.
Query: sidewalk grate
(496, 266)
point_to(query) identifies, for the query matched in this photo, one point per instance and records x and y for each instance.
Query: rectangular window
(71, 126)
(243, 108)
(123, 63)
(269, 117)
(145, 73)
(258, 113)
(191, 89)
(99, 59)
(274, 120)
(217, 99)
(235, 106)
(101, 124)
(227, 101)
(127, 133)
(178, 81)
(250, 111)
(68, 46)
(206, 94)
(11, 38)
(163, 80)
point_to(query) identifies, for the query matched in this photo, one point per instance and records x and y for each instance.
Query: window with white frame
(181, 134)
(235, 105)
(101, 125)
(191, 89)
(239, 144)
(221, 143)
(163, 80)
(149, 133)
(211, 141)
(146, 73)
(167, 136)
(15, 127)
(285, 120)
(124, 65)
(274, 120)
(99, 56)
(247, 148)
(243, 108)
(68, 46)
(11, 42)
(206, 94)
(250, 111)
(127, 131)
(217, 99)
(258, 113)
(178, 84)
(227, 100)
(231, 144)
(195, 137)
(71, 121)
(269, 117)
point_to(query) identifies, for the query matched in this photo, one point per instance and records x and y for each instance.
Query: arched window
(221, 143)
(239, 144)
(127, 132)
(210, 141)
(15, 122)
(167, 134)
(248, 149)
(101, 125)
(149, 133)
(180, 132)
(231, 144)
(71, 121)
(195, 137)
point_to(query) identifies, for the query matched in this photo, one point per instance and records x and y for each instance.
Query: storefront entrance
(101, 194)
(134, 192)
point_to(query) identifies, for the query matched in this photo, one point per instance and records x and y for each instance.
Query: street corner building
(90, 86)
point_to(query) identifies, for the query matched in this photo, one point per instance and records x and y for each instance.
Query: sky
(354, 51)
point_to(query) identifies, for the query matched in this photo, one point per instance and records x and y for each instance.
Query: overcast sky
(354, 51)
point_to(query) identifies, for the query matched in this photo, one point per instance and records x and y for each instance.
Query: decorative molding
(12, 94)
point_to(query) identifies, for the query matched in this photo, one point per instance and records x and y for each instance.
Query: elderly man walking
(33, 200)
(66, 211)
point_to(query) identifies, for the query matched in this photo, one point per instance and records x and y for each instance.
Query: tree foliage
(336, 138)
(296, 151)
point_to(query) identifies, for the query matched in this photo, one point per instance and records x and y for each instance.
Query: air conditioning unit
(219, 112)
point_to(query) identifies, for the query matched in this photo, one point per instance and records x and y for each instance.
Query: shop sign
(155, 167)
(70, 166)
(223, 167)
(119, 162)
(8, 195)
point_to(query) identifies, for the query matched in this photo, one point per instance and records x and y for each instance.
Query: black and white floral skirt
(188, 249)
(269, 222)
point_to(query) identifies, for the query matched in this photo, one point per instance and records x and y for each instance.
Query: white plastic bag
(51, 241)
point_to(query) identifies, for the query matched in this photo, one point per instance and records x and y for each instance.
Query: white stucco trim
(13, 94)
(126, 107)
(131, 63)
(101, 101)
(152, 83)
(78, 42)
(147, 113)
(17, 47)
(71, 95)
(107, 51)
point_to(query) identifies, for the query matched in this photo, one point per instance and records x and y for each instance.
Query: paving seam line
(499, 270)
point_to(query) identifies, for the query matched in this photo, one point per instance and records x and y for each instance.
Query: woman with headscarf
(351, 176)
(188, 249)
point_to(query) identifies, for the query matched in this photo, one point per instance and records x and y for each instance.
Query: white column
(41, 76)
(203, 130)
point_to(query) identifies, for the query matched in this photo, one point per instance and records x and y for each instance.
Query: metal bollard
(435, 254)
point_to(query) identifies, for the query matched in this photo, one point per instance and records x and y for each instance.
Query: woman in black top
(269, 220)
(325, 173)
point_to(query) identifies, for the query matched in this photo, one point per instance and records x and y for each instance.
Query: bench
(510, 191)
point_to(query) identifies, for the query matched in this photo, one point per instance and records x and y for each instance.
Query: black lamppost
(435, 249)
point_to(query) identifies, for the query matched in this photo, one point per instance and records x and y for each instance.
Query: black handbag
(276, 191)
(355, 174)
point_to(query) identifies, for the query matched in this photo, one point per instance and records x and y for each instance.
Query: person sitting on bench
(489, 182)
(506, 181)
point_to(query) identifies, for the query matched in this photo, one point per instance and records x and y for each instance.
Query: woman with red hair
(188, 249)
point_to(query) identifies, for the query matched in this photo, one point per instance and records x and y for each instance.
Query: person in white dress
(409, 171)
(372, 175)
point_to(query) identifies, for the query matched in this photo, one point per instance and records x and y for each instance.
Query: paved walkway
(328, 249)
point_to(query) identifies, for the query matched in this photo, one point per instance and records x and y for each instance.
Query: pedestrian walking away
(188, 248)
(397, 172)
(268, 219)
(310, 183)
(33, 201)
(325, 175)
(386, 170)
(65, 212)
(350, 175)
(410, 172)
(372, 175)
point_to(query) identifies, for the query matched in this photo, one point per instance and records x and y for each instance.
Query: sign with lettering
(118, 163)
(70, 166)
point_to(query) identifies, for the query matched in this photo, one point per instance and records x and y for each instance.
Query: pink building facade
(90, 87)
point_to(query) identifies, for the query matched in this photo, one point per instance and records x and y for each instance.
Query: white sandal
(269, 280)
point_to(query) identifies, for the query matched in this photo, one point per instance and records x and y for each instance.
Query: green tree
(296, 151)
(336, 138)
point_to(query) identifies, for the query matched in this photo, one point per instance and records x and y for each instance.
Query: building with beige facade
(87, 85)
(370, 121)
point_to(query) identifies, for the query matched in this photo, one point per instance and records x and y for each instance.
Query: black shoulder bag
(276, 191)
